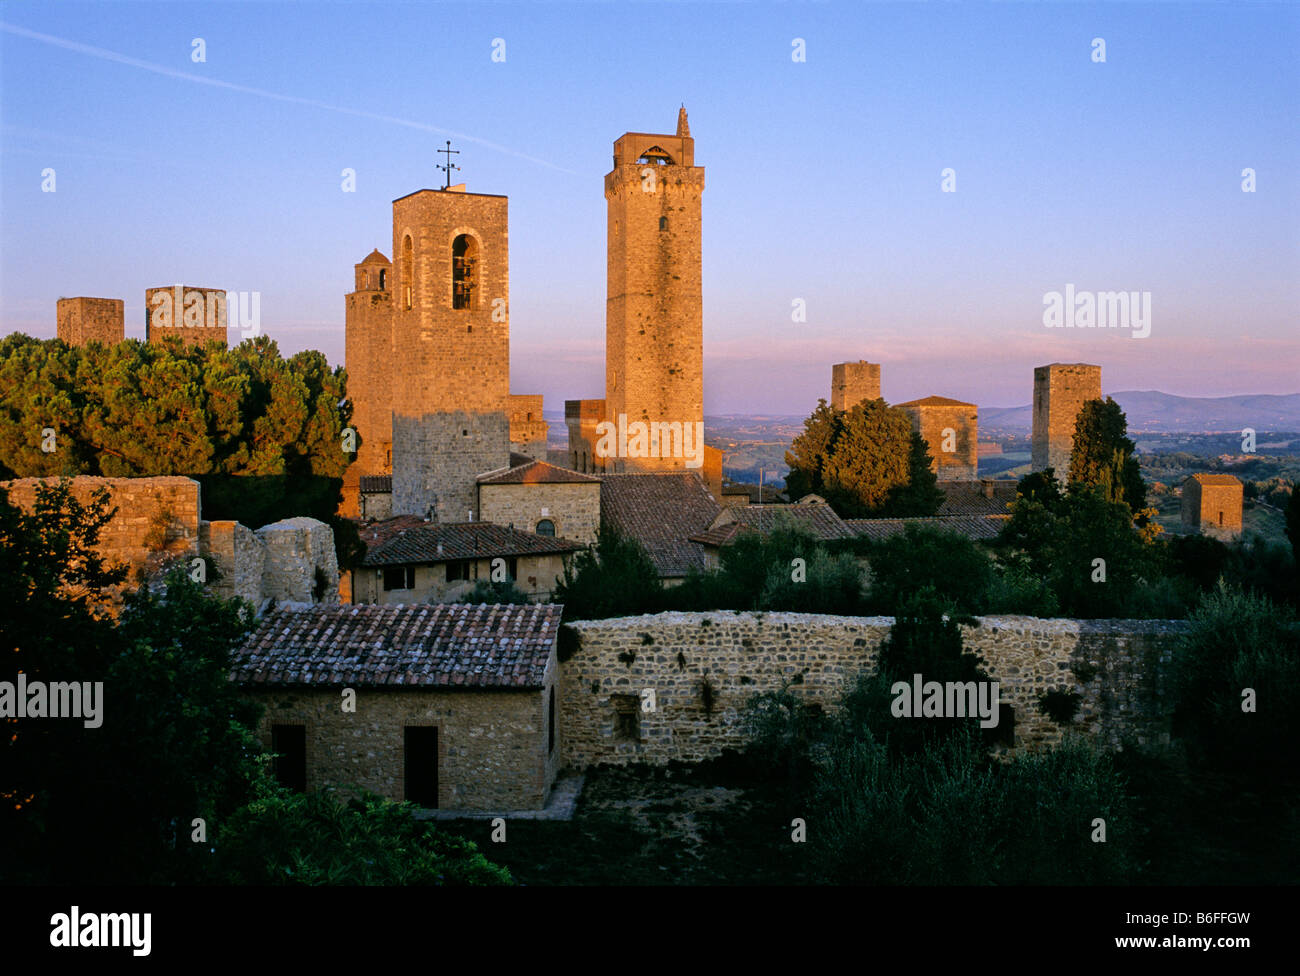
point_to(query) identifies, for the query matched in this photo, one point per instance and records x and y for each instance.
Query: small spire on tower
(683, 127)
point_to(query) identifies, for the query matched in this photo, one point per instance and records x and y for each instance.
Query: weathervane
(448, 152)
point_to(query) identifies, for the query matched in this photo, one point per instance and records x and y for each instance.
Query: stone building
(455, 706)
(195, 315)
(83, 320)
(951, 430)
(158, 523)
(376, 497)
(661, 512)
(528, 429)
(368, 356)
(410, 560)
(542, 498)
(654, 312)
(851, 383)
(1060, 391)
(1212, 503)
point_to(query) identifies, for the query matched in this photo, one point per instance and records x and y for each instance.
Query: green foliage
(261, 433)
(947, 816)
(1239, 640)
(920, 496)
(833, 585)
(781, 730)
(863, 461)
(1197, 558)
(174, 743)
(285, 838)
(1293, 524)
(1102, 456)
(956, 568)
(486, 591)
(1057, 537)
(614, 579)
(1060, 705)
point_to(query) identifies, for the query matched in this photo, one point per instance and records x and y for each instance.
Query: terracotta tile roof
(971, 526)
(422, 645)
(376, 257)
(969, 498)
(376, 483)
(820, 520)
(1216, 479)
(419, 541)
(935, 401)
(517, 459)
(770, 493)
(374, 534)
(719, 535)
(536, 473)
(662, 512)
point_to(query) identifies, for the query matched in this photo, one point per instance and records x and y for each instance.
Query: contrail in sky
(104, 55)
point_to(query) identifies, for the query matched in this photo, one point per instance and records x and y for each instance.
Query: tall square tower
(1060, 391)
(654, 319)
(450, 357)
(83, 320)
(851, 383)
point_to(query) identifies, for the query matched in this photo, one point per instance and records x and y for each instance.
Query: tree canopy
(1102, 456)
(865, 461)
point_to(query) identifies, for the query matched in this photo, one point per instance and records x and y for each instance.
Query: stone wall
(851, 383)
(1060, 391)
(492, 745)
(83, 320)
(528, 429)
(574, 509)
(295, 551)
(195, 315)
(933, 416)
(157, 519)
(537, 576)
(1116, 666)
(368, 354)
(437, 459)
(238, 554)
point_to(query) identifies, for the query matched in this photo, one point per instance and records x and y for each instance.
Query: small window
(289, 743)
(458, 569)
(1220, 519)
(663, 223)
(627, 717)
(546, 527)
(464, 272)
(383, 278)
(408, 269)
(399, 577)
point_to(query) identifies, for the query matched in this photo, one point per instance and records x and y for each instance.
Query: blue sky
(823, 177)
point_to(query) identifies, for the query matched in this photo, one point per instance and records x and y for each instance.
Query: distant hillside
(1155, 412)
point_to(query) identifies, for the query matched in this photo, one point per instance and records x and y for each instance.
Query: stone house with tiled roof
(951, 431)
(542, 498)
(450, 707)
(661, 512)
(1212, 504)
(988, 496)
(410, 560)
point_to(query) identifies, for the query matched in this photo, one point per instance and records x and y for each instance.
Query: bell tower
(654, 332)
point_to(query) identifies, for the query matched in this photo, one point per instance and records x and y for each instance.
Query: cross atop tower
(448, 152)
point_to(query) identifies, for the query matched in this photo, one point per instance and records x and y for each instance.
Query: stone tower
(195, 315)
(654, 326)
(1060, 391)
(1211, 503)
(851, 383)
(450, 359)
(83, 320)
(951, 431)
(368, 357)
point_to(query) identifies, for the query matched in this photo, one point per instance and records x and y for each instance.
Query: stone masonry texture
(1117, 667)
(654, 359)
(83, 320)
(1060, 391)
(933, 416)
(851, 383)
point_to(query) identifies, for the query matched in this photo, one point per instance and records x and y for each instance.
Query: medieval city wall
(1117, 668)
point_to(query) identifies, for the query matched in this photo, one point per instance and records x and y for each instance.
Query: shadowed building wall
(1060, 391)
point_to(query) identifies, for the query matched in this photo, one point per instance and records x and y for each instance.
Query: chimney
(988, 488)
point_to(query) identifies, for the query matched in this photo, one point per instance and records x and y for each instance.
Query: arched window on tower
(408, 270)
(546, 527)
(464, 272)
(663, 223)
(383, 278)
